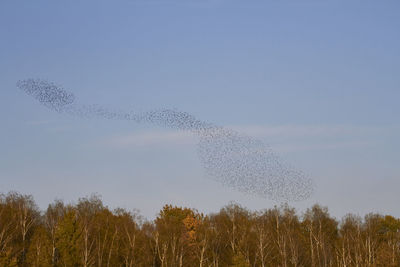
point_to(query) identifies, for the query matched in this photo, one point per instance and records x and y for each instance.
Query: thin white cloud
(151, 138)
(283, 138)
(303, 130)
(338, 145)
(291, 138)
(34, 123)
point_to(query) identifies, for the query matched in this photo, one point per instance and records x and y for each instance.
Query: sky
(317, 81)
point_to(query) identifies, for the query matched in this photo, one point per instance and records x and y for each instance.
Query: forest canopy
(88, 233)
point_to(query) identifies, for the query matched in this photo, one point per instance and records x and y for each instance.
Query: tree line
(88, 233)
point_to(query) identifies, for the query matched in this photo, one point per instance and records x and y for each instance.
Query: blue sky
(316, 80)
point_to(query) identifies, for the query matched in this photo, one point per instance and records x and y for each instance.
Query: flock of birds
(234, 159)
